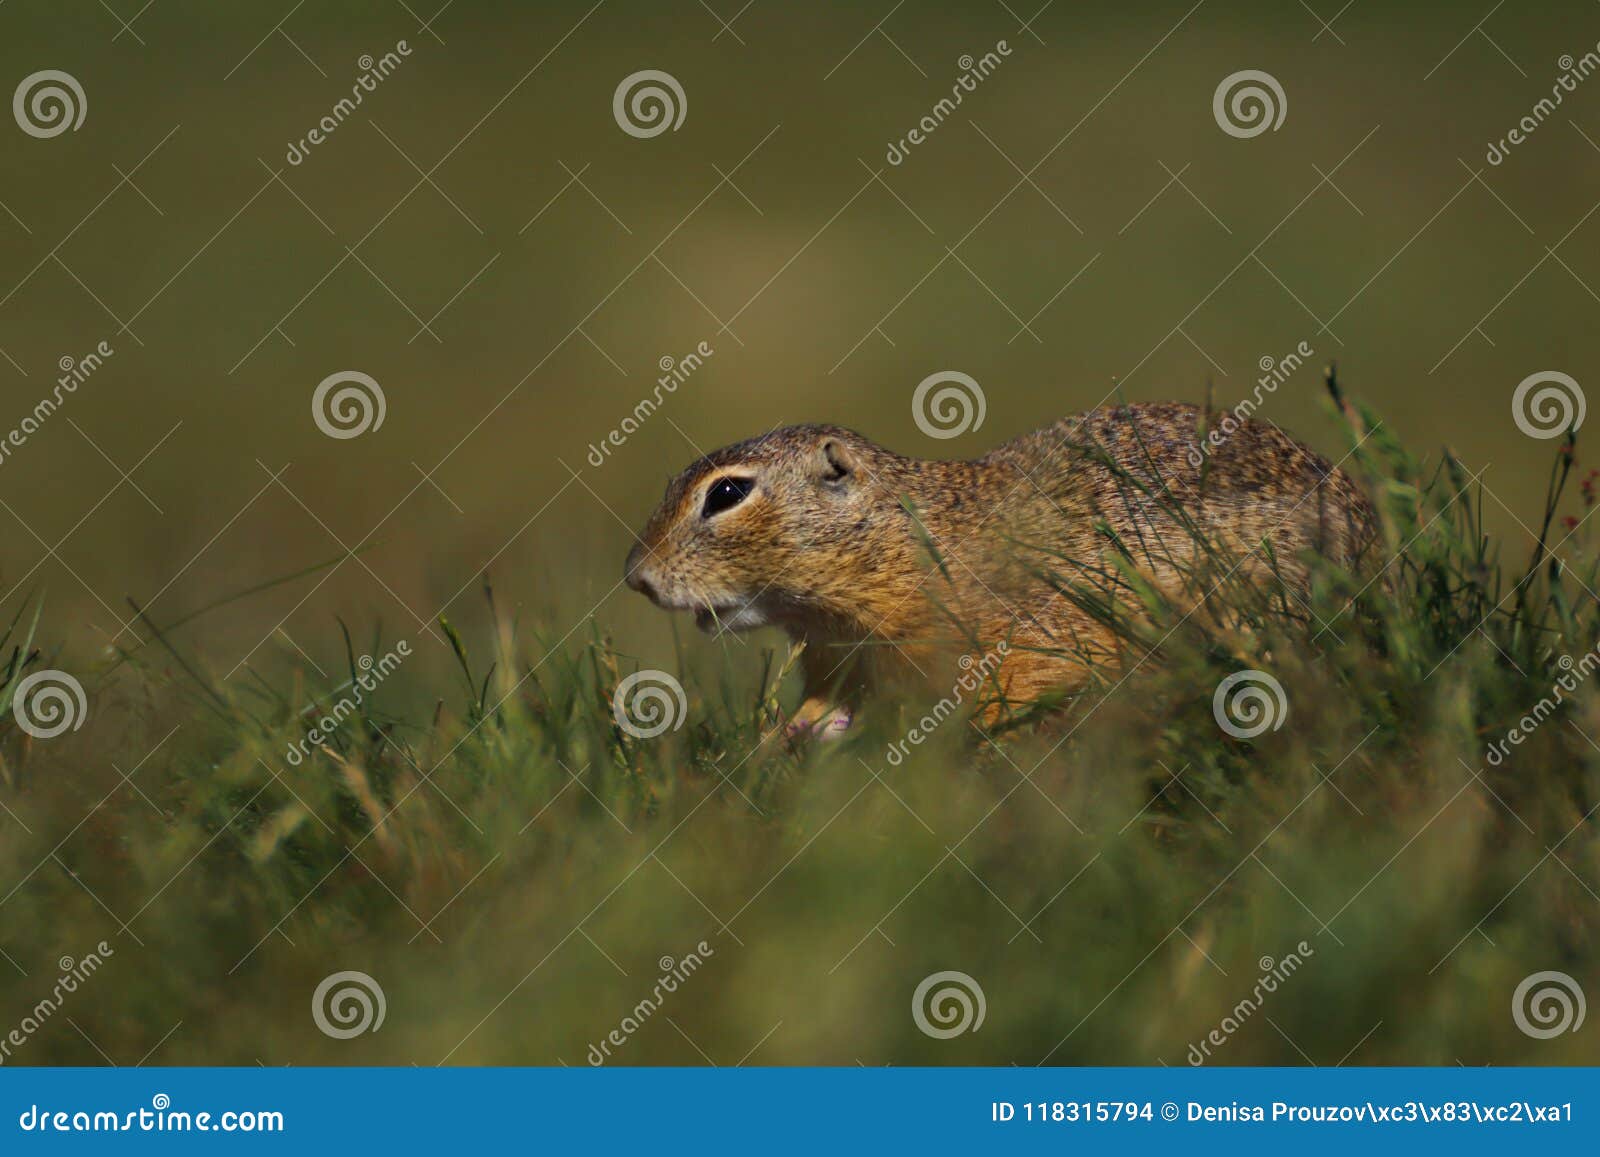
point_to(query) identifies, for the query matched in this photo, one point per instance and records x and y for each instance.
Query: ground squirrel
(879, 562)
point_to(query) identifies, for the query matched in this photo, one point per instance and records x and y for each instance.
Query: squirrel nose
(634, 573)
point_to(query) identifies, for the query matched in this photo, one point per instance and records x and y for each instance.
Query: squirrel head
(766, 531)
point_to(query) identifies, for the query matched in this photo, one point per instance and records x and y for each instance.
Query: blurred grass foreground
(400, 863)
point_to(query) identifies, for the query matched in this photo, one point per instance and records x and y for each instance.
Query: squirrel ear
(836, 461)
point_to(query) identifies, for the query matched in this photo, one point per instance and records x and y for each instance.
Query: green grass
(1111, 872)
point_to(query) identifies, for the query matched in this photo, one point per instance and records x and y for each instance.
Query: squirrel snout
(636, 576)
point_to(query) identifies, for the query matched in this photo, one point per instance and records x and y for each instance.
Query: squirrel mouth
(709, 618)
(714, 620)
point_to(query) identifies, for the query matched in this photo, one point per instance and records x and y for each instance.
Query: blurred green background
(840, 292)
(486, 190)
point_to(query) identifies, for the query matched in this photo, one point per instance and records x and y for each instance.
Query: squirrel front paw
(827, 723)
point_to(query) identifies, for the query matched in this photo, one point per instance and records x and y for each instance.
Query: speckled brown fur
(836, 542)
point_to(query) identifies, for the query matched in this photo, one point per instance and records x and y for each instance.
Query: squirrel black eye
(726, 493)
